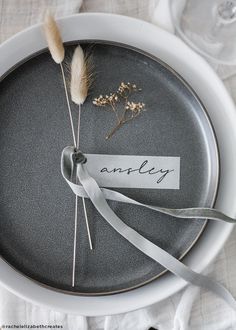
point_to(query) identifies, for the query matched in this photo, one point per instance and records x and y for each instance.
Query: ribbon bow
(88, 188)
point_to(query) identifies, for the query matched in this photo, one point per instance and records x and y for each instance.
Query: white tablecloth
(207, 312)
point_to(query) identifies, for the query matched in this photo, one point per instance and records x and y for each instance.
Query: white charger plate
(222, 113)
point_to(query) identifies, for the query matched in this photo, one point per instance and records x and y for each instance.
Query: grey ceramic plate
(37, 206)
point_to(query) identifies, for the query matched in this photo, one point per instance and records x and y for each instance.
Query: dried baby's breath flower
(125, 89)
(106, 100)
(129, 111)
(135, 107)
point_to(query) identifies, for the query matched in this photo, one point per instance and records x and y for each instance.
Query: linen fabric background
(192, 308)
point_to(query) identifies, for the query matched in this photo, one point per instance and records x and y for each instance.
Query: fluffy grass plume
(53, 38)
(80, 76)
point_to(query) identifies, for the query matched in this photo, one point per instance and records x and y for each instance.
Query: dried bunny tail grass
(57, 51)
(53, 38)
(81, 75)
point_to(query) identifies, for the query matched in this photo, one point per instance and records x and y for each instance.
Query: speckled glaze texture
(37, 215)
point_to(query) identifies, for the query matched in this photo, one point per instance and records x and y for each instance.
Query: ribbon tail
(144, 245)
(186, 213)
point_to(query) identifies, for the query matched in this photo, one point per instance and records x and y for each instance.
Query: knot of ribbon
(88, 188)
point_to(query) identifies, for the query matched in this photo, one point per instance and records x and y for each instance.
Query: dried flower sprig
(130, 109)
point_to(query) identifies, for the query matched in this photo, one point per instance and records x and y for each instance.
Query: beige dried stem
(79, 86)
(57, 51)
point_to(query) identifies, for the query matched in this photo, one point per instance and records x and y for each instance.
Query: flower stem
(112, 132)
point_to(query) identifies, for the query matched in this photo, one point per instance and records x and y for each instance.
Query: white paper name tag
(118, 171)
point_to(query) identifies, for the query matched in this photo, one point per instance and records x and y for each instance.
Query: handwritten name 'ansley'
(144, 168)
